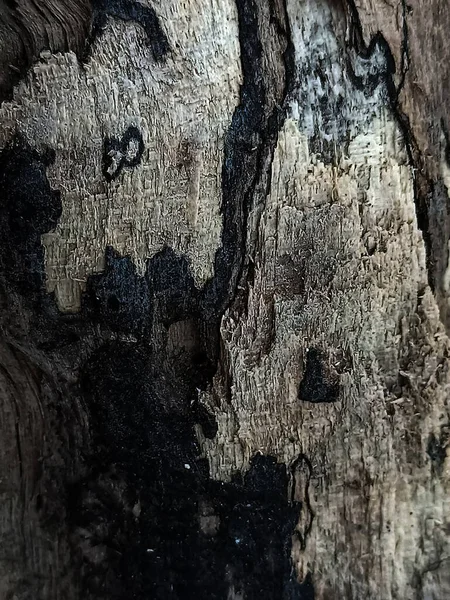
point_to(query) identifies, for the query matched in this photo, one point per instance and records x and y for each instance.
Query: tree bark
(224, 276)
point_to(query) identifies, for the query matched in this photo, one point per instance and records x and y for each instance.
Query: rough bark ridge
(420, 92)
(224, 373)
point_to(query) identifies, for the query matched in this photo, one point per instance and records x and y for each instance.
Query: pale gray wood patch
(183, 107)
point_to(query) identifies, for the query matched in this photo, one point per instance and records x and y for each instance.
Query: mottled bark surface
(224, 284)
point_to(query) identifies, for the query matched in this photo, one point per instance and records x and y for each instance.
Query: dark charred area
(28, 209)
(376, 61)
(437, 450)
(175, 296)
(141, 409)
(145, 519)
(316, 385)
(240, 170)
(124, 301)
(194, 537)
(191, 537)
(129, 10)
(126, 152)
(376, 64)
(336, 73)
(119, 298)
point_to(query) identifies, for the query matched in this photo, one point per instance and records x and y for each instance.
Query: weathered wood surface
(294, 156)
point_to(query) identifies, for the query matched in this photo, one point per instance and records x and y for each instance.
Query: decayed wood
(340, 267)
(415, 32)
(183, 107)
(306, 182)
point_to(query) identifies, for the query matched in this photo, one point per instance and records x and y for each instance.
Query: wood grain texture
(37, 462)
(274, 194)
(339, 266)
(416, 34)
(28, 27)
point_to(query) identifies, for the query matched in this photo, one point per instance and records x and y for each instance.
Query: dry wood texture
(225, 293)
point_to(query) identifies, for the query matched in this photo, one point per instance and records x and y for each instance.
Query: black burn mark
(174, 294)
(119, 297)
(404, 64)
(142, 410)
(437, 451)
(129, 10)
(381, 72)
(315, 385)
(305, 590)
(301, 472)
(124, 301)
(377, 66)
(126, 152)
(205, 419)
(145, 426)
(446, 135)
(28, 209)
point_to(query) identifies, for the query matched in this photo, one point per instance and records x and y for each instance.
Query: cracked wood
(224, 291)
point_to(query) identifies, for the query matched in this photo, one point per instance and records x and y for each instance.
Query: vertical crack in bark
(254, 132)
(404, 65)
(301, 471)
(243, 144)
(249, 150)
